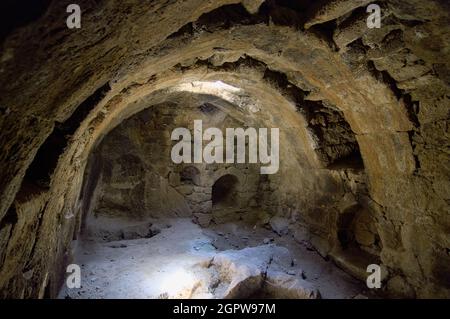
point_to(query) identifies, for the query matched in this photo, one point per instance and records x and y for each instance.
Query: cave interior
(363, 167)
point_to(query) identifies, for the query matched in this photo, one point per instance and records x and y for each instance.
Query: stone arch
(308, 60)
(224, 191)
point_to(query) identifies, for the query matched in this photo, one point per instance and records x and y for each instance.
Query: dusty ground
(184, 260)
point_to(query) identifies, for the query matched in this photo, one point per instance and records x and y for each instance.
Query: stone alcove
(190, 175)
(224, 192)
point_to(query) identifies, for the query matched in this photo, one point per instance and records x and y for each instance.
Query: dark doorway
(224, 191)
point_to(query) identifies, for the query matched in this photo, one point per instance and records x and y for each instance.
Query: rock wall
(340, 92)
(138, 178)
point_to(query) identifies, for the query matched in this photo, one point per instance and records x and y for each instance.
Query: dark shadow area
(15, 14)
(224, 191)
(41, 169)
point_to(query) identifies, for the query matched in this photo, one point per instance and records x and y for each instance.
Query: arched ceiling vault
(306, 61)
(388, 87)
(305, 58)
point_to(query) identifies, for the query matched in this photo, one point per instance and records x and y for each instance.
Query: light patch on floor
(186, 261)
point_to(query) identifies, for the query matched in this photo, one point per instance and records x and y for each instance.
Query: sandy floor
(163, 265)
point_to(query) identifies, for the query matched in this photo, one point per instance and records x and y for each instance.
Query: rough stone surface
(279, 225)
(363, 118)
(255, 272)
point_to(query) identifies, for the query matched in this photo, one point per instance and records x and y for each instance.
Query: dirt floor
(179, 259)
